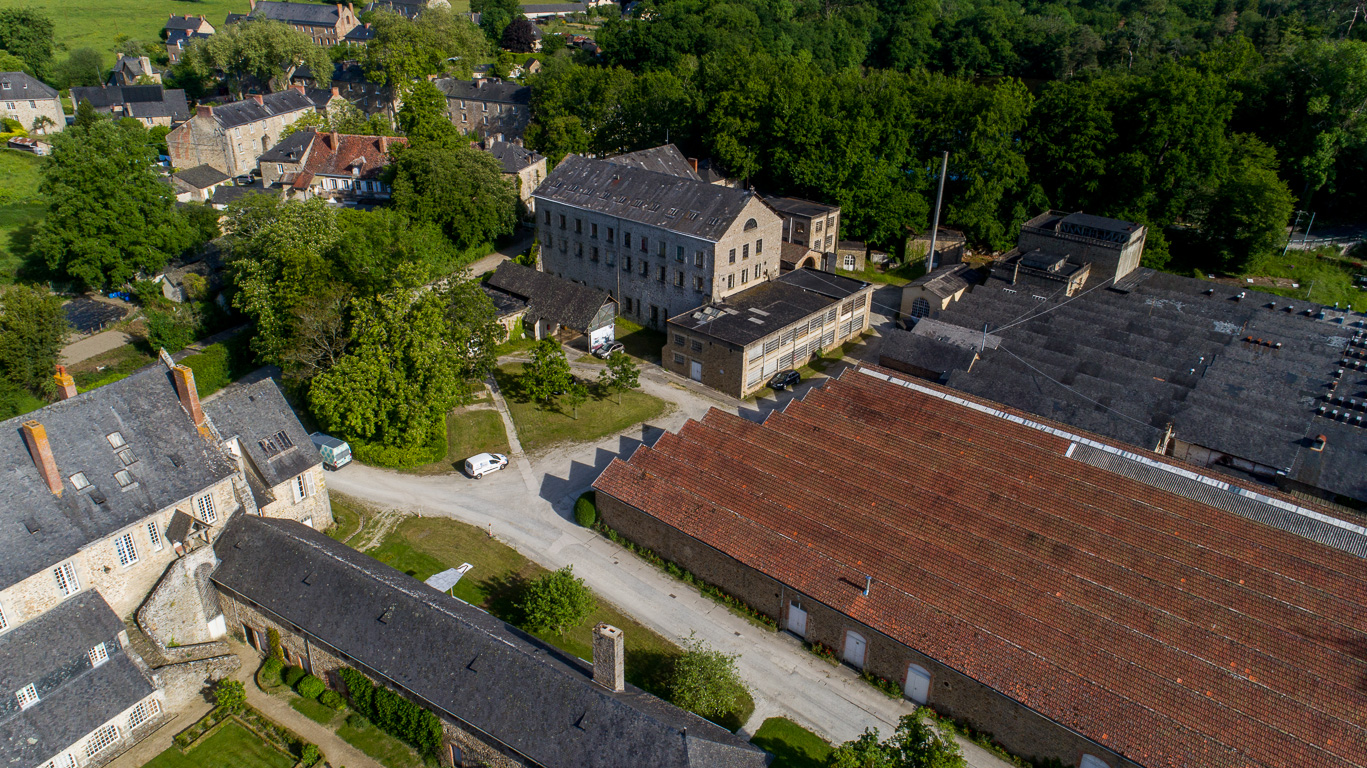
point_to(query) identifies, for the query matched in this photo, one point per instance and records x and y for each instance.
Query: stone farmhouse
(488, 108)
(521, 166)
(504, 698)
(328, 25)
(112, 497)
(180, 30)
(339, 167)
(149, 104)
(231, 137)
(36, 105)
(129, 70)
(658, 241)
(1080, 601)
(735, 345)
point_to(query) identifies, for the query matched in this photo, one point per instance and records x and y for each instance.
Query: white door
(695, 373)
(854, 649)
(797, 620)
(918, 684)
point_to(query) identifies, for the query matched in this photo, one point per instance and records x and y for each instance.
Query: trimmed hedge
(292, 675)
(402, 457)
(585, 511)
(393, 713)
(271, 669)
(310, 687)
(331, 700)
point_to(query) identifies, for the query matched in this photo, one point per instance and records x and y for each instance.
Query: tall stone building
(488, 108)
(232, 136)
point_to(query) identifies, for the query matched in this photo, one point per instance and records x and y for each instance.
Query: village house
(488, 108)
(349, 80)
(35, 105)
(654, 239)
(134, 70)
(180, 30)
(197, 184)
(1080, 601)
(815, 225)
(336, 166)
(793, 256)
(737, 343)
(550, 306)
(149, 104)
(521, 166)
(230, 137)
(327, 25)
(538, 11)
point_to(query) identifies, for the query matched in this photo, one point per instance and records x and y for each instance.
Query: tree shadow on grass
(503, 595)
(650, 670)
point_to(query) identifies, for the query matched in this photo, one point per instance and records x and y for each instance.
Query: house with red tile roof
(339, 166)
(1080, 600)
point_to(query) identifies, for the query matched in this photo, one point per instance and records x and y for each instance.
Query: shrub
(392, 713)
(273, 640)
(309, 687)
(270, 671)
(585, 513)
(170, 330)
(403, 456)
(556, 601)
(292, 675)
(331, 700)
(887, 687)
(230, 694)
(309, 754)
(210, 368)
(705, 680)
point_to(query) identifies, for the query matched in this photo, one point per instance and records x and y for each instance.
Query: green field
(539, 426)
(232, 746)
(99, 25)
(19, 204)
(468, 433)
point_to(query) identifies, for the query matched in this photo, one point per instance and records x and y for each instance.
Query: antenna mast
(935, 225)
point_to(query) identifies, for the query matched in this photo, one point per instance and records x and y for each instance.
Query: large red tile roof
(1172, 632)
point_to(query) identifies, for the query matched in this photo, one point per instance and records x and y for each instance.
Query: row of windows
(661, 248)
(358, 185)
(498, 108)
(662, 274)
(31, 104)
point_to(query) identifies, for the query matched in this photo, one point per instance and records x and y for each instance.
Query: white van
(484, 463)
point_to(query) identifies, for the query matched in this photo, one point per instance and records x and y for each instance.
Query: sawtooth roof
(459, 659)
(549, 297)
(1122, 596)
(680, 205)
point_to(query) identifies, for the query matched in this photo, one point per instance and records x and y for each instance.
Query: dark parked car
(784, 379)
(245, 180)
(607, 350)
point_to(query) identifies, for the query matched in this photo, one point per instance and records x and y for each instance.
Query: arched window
(917, 687)
(920, 307)
(1092, 761)
(751, 224)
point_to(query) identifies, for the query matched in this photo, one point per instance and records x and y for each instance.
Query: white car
(484, 463)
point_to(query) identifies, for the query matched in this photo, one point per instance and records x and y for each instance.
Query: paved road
(531, 507)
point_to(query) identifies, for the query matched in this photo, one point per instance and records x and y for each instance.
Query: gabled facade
(488, 108)
(340, 167)
(36, 106)
(814, 225)
(180, 30)
(134, 70)
(232, 136)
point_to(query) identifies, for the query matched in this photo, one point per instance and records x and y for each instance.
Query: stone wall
(20, 110)
(176, 613)
(186, 683)
(314, 510)
(1016, 727)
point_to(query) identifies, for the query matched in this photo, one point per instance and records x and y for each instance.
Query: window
(101, 740)
(751, 224)
(124, 478)
(645, 245)
(626, 263)
(61, 761)
(817, 228)
(578, 226)
(828, 243)
(67, 583)
(593, 231)
(98, 655)
(759, 246)
(730, 282)
(678, 279)
(679, 253)
(593, 254)
(123, 545)
(609, 234)
(645, 268)
(27, 696)
(154, 535)
(731, 259)
(745, 251)
(303, 487)
(696, 345)
(204, 505)
(744, 276)
(697, 258)
(678, 340)
(626, 239)
(548, 216)
(79, 482)
(143, 712)
(127, 458)
(848, 264)
(562, 221)
(4, 623)
(678, 358)
(697, 284)
(579, 250)
(115, 440)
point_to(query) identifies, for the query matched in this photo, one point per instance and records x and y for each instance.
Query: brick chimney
(204, 110)
(609, 658)
(35, 436)
(66, 386)
(189, 396)
(298, 88)
(335, 92)
(256, 97)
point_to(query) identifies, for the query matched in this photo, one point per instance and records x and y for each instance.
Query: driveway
(531, 509)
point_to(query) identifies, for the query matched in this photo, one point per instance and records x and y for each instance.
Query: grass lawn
(640, 341)
(110, 366)
(517, 341)
(19, 204)
(314, 711)
(389, 751)
(232, 746)
(899, 276)
(792, 745)
(539, 426)
(468, 433)
(422, 546)
(1322, 276)
(347, 514)
(87, 25)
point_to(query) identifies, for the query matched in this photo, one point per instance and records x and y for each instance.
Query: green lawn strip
(896, 276)
(468, 432)
(423, 546)
(314, 711)
(347, 514)
(539, 426)
(232, 746)
(792, 745)
(639, 341)
(1322, 277)
(109, 366)
(387, 750)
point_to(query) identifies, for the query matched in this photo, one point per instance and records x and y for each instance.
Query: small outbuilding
(554, 306)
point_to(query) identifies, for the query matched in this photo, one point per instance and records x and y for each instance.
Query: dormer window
(27, 696)
(79, 482)
(115, 440)
(98, 655)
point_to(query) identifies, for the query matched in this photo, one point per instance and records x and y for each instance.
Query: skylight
(276, 444)
(115, 439)
(124, 477)
(79, 482)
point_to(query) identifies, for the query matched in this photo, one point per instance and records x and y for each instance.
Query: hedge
(309, 687)
(402, 457)
(392, 713)
(585, 513)
(211, 369)
(331, 700)
(292, 675)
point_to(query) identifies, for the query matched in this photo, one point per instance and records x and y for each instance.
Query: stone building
(351, 83)
(36, 105)
(950, 246)
(129, 70)
(149, 104)
(504, 698)
(735, 345)
(180, 30)
(552, 306)
(197, 184)
(521, 166)
(1078, 600)
(488, 108)
(327, 25)
(815, 225)
(850, 255)
(1111, 246)
(340, 167)
(659, 242)
(231, 137)
(936, 290)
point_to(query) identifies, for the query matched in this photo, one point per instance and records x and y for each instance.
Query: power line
(1049, 309)
(1075, 392)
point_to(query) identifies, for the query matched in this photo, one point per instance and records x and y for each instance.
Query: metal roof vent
(388, 615)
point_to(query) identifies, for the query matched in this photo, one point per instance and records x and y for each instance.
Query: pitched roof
(249, 110)
(663, 159)
(460, 659)
(796, 206)
(342, 154)
(258, 416)
(138, 100)
(1123, 596)
(947, 281)
(170, 462)
(362, 33)
(201, 176)
(75, 698)
(680, 205)
(485, 89)
(555, 8)
(923, 351)
(19, 85)
(747, 316)
(191, 23)
(792, 253)
(549, 297)
(512, 157)
(297, 13)
(226, 194)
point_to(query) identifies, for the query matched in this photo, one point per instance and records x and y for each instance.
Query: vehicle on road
(245, 180)
(784, 379)
(336, 453)
(604, 351)
(482, 464)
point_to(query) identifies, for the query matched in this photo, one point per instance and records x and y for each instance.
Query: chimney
(252, 4)
(334, 141)
(36, 439)
(609, 657)
(189, 396)
(335, 92)
(1318, 445)
(66, 386)
(204, 110)
(256, 97)
(384, 144)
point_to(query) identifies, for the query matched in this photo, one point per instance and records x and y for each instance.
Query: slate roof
(1169, 353)
(1136, 614)
(663, 159)
(143, 101)
(487, 89)
(796, 206)
(549, 297)
(248, 111)
(19, 85)
(201, 176)
(50, 652)
(747, 316)
(226, 194)
(290, 149)
(792, 253)
(512, 157)
(946, 281)
(532, 698)
(555, 8)
(923, 351)
(171, 463)
(256, 414)
(297, 13)
(504, 303)
(361, 33)
(699, 209)
(189, 23)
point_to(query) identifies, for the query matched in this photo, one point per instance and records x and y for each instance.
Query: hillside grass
(99, 25)
(20, 206)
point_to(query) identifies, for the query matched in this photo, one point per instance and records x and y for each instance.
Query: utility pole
(1306, 236)
(935, 225)
(1292, 234)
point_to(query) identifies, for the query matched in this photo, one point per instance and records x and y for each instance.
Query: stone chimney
(384, 144)
(204, 110)
(334, 141)
(189, 396)
(66, 386)
(609, 658)
(258, 98)
(35, 436)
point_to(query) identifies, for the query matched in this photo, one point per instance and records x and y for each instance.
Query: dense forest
(1212, 121)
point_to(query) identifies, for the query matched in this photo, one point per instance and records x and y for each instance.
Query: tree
(11, 63)
(230, 694)
(372, 244)
(918, 742)
(266, 50)
(83, 67)
(27, 33)
(620, 375)
(320, 334)
(495, 16)
(475, 330)
(576, 394)
(342, 118)
(109, 213)
(405, 51)
(704, 680)
(1249, 210)
(423, 118)
(459, 188)
(33, 329)
(520, 35)
(556, 601)
(171, 330)
(548, 372)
